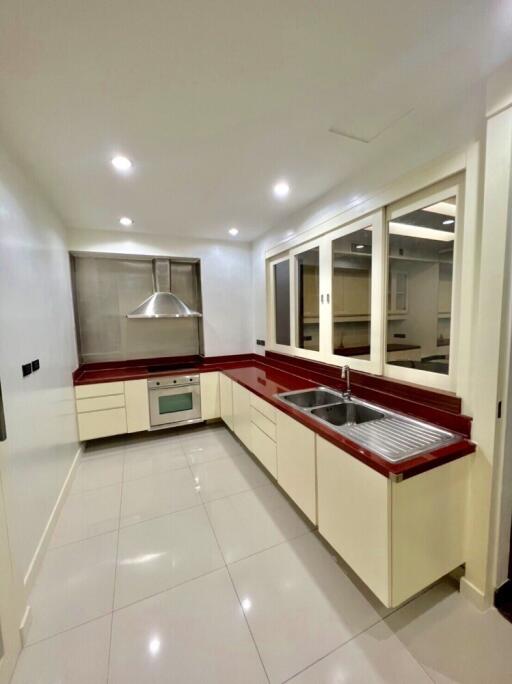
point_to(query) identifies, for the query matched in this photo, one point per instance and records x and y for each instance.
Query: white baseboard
(26, 621)
(40, 551)
(474, 595)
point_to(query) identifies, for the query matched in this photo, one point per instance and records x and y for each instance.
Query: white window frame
(374, 363)
(451, 187)
(313, 354)
(271, 313)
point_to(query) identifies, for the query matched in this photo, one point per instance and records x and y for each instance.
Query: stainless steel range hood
(163, 303)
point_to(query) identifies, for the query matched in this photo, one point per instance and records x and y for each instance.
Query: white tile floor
(175, 559)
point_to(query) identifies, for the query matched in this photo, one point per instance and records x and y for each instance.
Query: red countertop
(264, 378)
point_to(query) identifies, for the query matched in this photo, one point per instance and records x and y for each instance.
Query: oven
(174, 400)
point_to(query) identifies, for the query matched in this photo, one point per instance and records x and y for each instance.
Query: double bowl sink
(390, 435)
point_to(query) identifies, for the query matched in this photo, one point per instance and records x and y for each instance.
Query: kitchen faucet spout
(345, 375)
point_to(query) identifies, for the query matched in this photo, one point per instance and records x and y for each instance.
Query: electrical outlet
(260, 343)
(35, 365)
(26, 369)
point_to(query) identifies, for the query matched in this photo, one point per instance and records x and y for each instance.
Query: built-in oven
(174, 400)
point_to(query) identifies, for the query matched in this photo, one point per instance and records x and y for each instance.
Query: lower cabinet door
(226, 400)
(264, 449)
(137, 405)
(296, 463)
(354, 515)
(102, 423)
(242, 414)
(210, 396)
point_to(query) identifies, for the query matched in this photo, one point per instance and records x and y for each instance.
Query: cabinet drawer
(102, 423)
(268, 427)
(100, 389)
(264, 449)
(100, 403)
(263, 407)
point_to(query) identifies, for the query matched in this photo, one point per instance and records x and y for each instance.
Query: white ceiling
(214, 100)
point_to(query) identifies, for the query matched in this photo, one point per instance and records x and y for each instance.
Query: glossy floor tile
(210, 446)
(153, 460)
(75, 585)
(251, 521)
(78, 656)
(299, 604)
(453, 640)
(226, 476)
(193, 634)
(374, 657)
(88, 513)
(150, 497)
(161, 553)
(176, 559)
(99, 470)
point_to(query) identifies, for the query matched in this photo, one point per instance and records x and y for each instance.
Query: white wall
(225, 279)
(36, 322)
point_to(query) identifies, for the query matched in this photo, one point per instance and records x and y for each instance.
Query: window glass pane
(351, 294)
(171, 403)
(308, 270)
(420, 279)
(282, 302)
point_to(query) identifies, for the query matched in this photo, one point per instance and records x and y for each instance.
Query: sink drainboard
(396, 438)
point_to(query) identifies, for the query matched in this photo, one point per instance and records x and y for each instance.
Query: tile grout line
(161, 515)
(333, 650)
(107, 679)
(68, 629)
(355, 636)
(238, 597)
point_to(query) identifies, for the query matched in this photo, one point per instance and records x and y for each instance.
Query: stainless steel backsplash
(106, 289)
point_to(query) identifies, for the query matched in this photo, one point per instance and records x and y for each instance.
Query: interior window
(420, 280)
(308, 308)
(351, 294)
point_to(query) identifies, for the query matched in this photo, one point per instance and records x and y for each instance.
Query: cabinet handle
(328, 298)
(322, 299)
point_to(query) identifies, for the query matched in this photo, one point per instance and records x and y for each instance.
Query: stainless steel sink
(311, 398)
(347, 413)
(391, 435)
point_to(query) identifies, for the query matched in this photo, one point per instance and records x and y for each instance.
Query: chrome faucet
(345, 375)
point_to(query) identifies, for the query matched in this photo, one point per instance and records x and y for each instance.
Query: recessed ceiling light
(420, 232)
(281, 189)
(448, 222)
(126, 221)
(121, 163)
(233, 231)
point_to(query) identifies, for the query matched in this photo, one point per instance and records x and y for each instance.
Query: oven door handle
(172, 388)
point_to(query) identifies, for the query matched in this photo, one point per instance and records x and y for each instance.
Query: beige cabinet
(210, 396)
(399, 537)
(263, 433)
(226, 400)
(137, 405)
(99, 389)
(264, 448)
(296, 463)
(102, 424)
(242, 414)
(351, 291)
(353, 514)
(101, 410)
